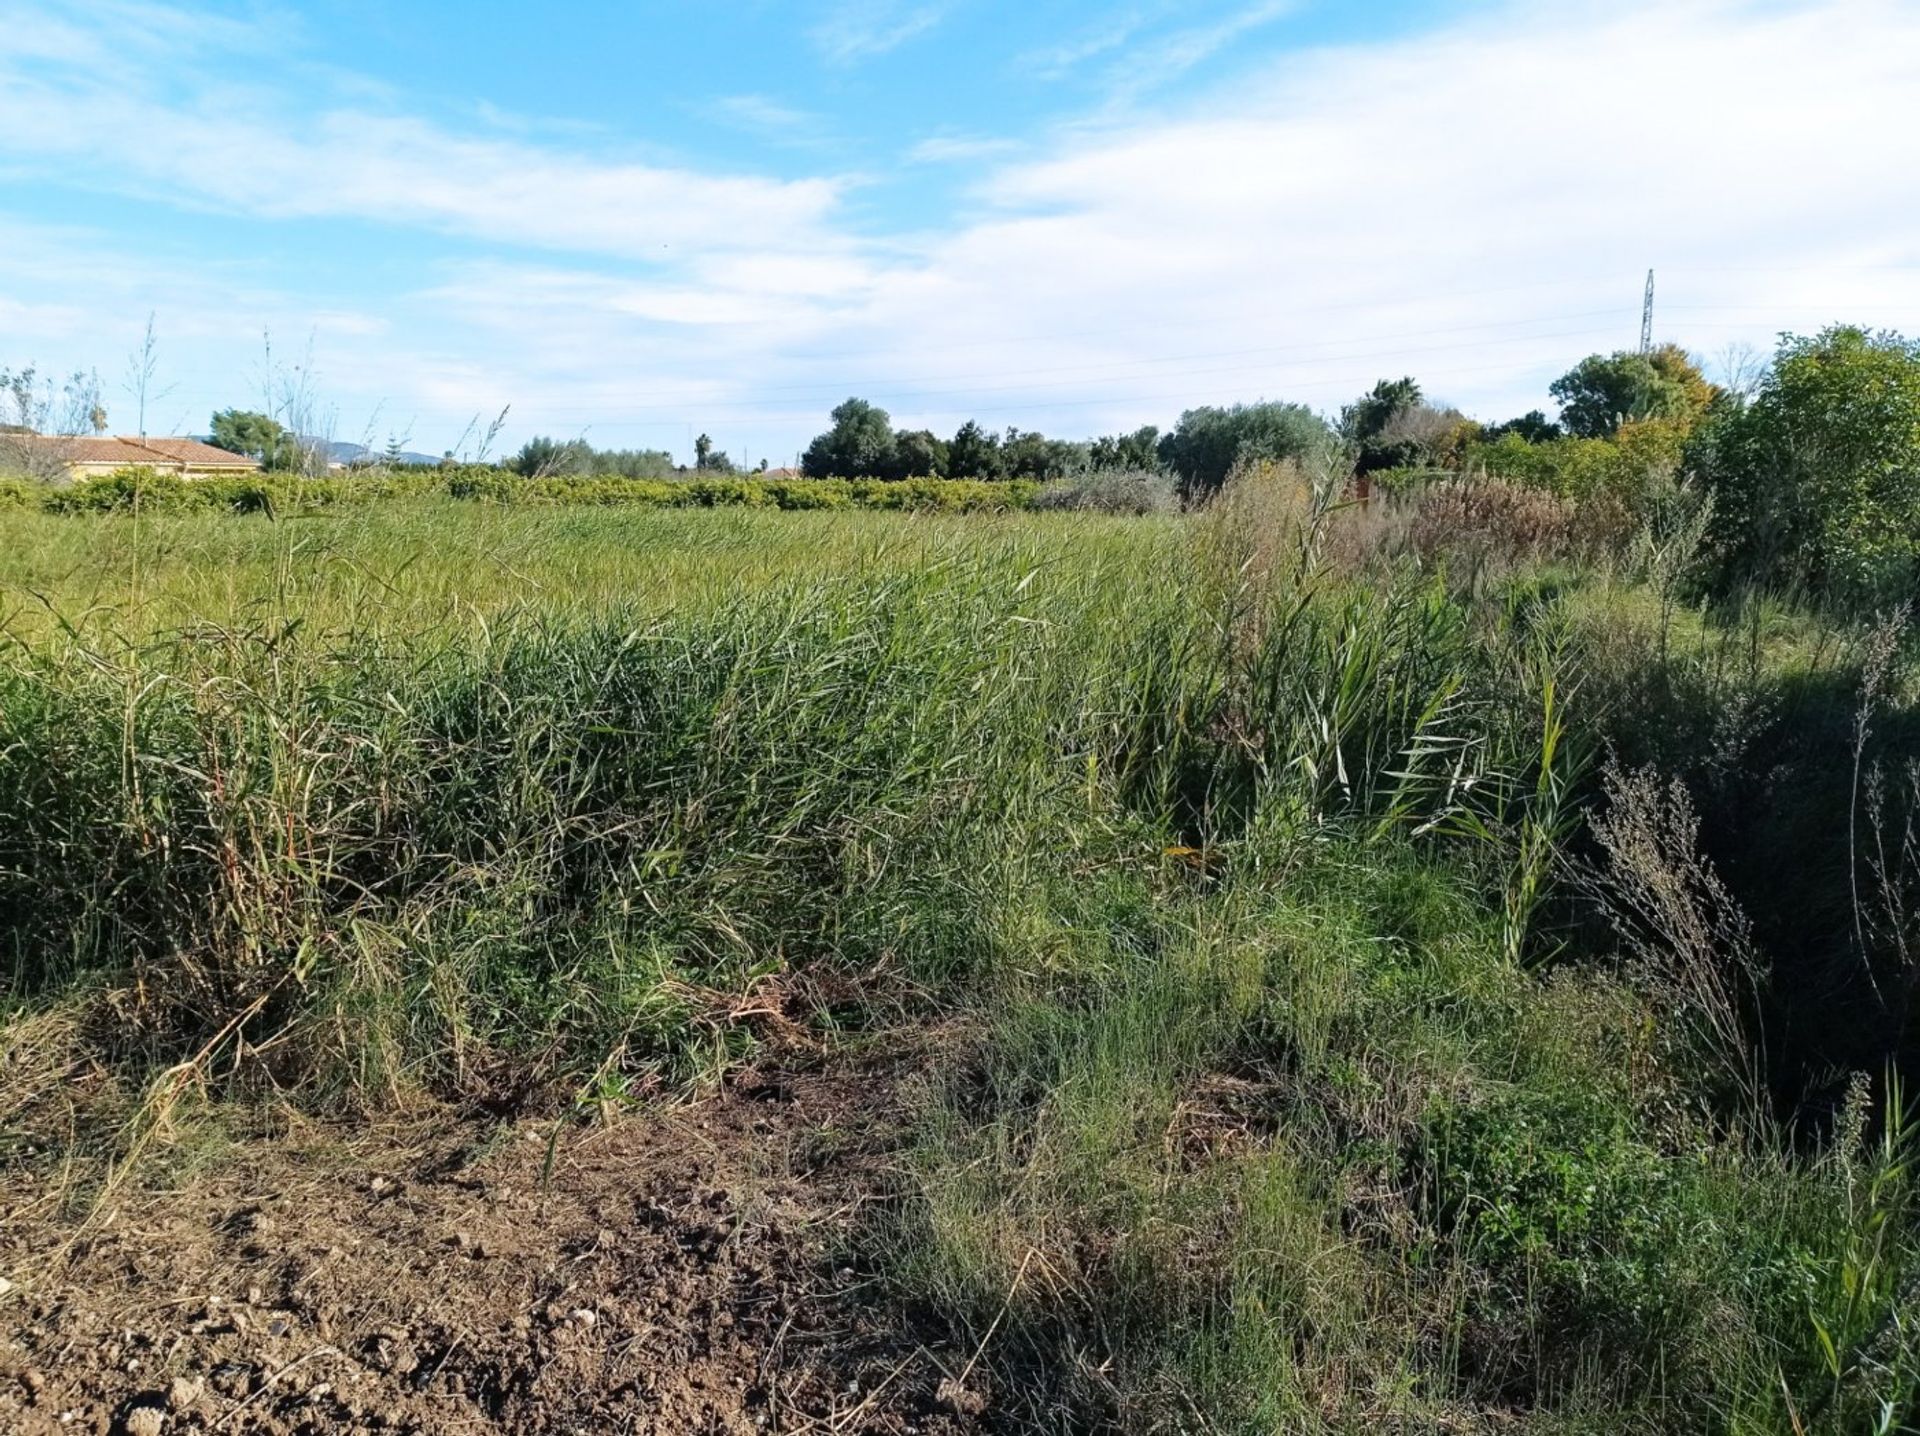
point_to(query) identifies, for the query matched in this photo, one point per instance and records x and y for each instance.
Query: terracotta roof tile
(97, 449)
(192, 451)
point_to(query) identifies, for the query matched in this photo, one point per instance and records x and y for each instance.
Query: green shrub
(1818, 478)
(1622, 468)
(122, 489)
(1112, 491)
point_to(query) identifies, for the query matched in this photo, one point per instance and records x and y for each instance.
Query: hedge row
(126, 489)
(946, 495)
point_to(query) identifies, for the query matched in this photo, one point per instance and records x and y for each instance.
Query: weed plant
(1354, 1030)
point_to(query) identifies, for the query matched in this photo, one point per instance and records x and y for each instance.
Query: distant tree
(1603, 391)
(242, 431)
(544, 458)
(630, 463)
(858, 446)
(1533, 426)
(1138, 450)
(975, 454)
(1421, 436)
(708, 460)
(1392, 426)
(1029, 454)
(1817, 478)
(1366, 416)
(917, 454)
(1066, 457)
(1208, 442)
(32, 405)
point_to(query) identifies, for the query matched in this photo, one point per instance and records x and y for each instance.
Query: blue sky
(637, 222)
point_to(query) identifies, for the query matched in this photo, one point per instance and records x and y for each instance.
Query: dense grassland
(1363, 989)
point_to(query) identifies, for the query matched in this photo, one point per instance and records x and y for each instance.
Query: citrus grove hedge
(128, 489)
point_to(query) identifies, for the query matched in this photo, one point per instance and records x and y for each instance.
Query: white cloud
(1053, 61)
(961, 149)
(770, 119)
(1140, 53)
(856, 30)
(1476, 205)
(1506, 171)
(107, 116)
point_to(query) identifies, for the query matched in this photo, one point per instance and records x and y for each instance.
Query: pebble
(145, 1421)
(184, 1392)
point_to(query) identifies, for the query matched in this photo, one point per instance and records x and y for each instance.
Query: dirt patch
(672, 1273)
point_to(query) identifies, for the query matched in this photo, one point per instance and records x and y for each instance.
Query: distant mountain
(341, 452)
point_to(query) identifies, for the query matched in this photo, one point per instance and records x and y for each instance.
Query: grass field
(1322, 1013)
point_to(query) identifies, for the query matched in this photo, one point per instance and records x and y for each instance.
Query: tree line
(1810, 464)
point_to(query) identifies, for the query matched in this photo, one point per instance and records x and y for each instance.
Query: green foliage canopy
(1818, 478)
(917, 454)
(1603, 391)
(1208, 442)
(242, 431)
(541, 458)
(975, 454)
(1139, 450)
(859, 445)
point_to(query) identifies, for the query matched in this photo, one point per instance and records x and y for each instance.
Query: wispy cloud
(1186, 48)
(960, 149)
(1147, 46)
(769, 119)
(857, 30)
(115, 118)
(1051, 62)
(1327, 218)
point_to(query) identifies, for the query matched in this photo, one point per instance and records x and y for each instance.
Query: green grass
(1297, 1087)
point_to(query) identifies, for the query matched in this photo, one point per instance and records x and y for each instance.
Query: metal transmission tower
(1646, 318)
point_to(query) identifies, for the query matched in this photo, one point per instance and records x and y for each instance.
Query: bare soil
(674, 1272)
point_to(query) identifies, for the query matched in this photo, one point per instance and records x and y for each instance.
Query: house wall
(96, 471)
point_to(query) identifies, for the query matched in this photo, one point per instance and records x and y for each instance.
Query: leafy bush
(1112, 491)
(952, 496)
(942, 495)
(1210, 443)
(1624, 467)
(19, 494)
(1605, 391)
(121, 489)
(1818, 479)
